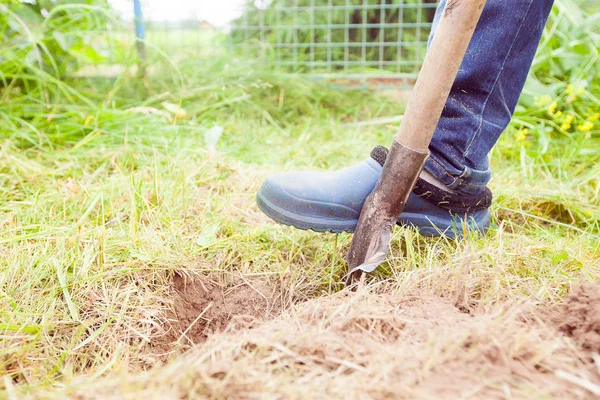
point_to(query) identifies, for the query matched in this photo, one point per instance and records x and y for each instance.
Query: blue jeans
(486, 90)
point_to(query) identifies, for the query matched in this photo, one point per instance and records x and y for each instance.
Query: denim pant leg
(486, 90)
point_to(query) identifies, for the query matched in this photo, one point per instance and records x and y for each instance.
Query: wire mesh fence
(363, 37)
(316, 36)
(336, 35)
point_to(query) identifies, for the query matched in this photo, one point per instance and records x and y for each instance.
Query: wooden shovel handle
(441, 64)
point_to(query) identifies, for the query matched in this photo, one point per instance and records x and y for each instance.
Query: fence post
(140, 35)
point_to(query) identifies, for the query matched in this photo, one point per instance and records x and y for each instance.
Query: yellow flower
(580, 91)
(558, 114)
(552, 108)
(570, 89)
(543, 101)
(586, 126)
(566, 124)
(522, 135)
(594, 117)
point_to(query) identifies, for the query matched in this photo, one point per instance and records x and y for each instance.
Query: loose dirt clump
(201, 307)
(581, 316)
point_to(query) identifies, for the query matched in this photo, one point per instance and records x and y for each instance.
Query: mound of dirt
(581, 316)
(368, 344)
(201, 307)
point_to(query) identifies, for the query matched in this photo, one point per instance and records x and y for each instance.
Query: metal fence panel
(314, 36)
(323, 37)
(329, 36)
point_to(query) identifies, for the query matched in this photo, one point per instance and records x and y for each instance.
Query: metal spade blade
(371, 240)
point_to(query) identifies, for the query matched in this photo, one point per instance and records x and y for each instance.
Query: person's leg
(478, 109)
(486, 90)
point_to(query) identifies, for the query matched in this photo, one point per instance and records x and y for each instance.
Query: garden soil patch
(581, 316)
(201, 307)
(373, 343)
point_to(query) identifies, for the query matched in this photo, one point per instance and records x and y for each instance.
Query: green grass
(105, 194)
(96, 218)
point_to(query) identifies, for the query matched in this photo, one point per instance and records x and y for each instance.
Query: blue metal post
(140, 26)
(140, 34)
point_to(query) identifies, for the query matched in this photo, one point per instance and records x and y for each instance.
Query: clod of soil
(581, 316)
(201, 307)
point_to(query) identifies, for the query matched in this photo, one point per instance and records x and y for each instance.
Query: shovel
(409, 150)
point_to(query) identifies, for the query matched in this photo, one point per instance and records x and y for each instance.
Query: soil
(201, 307)
(385, 345)
(581, 316)
(375, 343)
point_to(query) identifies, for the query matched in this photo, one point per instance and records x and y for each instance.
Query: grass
(94, 226)
(109, 189)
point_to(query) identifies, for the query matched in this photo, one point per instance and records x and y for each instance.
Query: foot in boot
(332, 201)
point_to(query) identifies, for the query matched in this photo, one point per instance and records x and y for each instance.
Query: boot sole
(429, 226)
